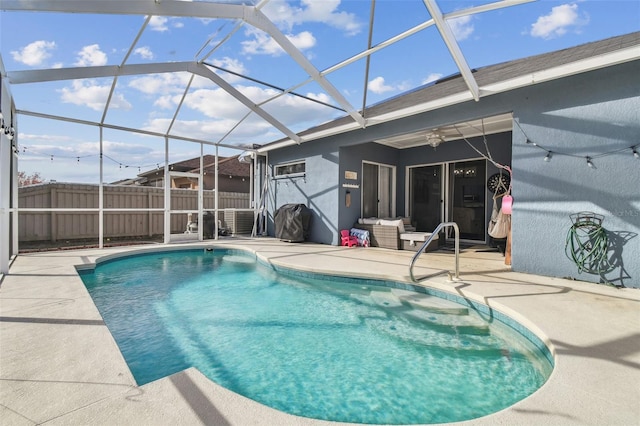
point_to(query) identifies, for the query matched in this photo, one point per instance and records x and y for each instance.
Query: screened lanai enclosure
(161, 117)
(197, 87)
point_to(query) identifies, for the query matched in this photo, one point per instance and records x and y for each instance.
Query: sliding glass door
(378, 194)
(466, 204)
(449, 192)
(426, 197)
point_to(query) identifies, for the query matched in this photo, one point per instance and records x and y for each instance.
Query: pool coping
(586, 386)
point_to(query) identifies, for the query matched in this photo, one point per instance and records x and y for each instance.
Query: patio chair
(346, 239)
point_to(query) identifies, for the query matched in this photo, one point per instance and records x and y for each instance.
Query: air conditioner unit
(238, 221)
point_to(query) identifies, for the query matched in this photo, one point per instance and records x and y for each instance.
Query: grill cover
(292, 222)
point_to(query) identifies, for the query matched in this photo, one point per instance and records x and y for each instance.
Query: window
(291, 169)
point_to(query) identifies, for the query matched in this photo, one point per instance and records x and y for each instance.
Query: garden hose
(587, 245)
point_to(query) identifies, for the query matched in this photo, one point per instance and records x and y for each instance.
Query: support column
(150, 214)
(167, 194)
(101, 197)
(201, 195)
(5, 181)
(216, 193)
(15, 248)
(53, 203)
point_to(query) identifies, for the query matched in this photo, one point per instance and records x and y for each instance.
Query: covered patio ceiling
(436, 136)
(317, 87)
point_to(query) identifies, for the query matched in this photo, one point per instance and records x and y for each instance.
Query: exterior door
(378, 195)
(426, 197)
(449, 192)
(467, 198)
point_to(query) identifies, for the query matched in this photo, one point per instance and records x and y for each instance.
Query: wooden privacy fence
(53, 226)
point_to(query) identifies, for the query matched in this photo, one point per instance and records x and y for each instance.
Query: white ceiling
(486, 126)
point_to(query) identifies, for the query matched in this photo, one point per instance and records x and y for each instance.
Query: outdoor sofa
(396, 234)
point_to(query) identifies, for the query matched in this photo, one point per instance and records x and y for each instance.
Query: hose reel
(587, 243)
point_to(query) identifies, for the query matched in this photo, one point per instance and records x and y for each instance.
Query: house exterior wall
(318, 189)
(583, 115)
(351, 159)
(587, 115)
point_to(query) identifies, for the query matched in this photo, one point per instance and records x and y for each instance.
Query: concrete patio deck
(60, 365)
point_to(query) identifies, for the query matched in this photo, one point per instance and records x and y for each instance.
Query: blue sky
(326, 31)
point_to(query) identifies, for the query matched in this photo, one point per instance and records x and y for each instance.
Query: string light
(7, 129)
(79, 157)
(589, 158)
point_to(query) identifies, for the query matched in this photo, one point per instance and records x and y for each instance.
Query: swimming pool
(341, 349)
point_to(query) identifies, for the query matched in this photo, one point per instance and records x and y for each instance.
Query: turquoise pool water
(337, 349)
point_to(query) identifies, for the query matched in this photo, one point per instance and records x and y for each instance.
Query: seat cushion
(416, 236)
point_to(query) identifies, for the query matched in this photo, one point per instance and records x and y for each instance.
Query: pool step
(430, 303)
(436, 338)
(436, 314)
(401, 298)
(446, 323)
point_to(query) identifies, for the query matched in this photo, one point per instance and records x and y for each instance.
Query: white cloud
(461, 27)
(378, 86)
(158, 23)
(263, 44)
(431, 77)
(122, 150)
(251, 130)
(162, 23)
(35, 53)
(25, 137)
(160, 84)
(48, 150)
(231, 65)
(91, 56)
(88, 93)
(164, 102)
(167, 84)
(304, 40)
(325, 12)
(144, 52)
(223, 112)
(558, 22)
(216, 104)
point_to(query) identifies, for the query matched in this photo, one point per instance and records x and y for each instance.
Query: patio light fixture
(590, 163)
(434, 139)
